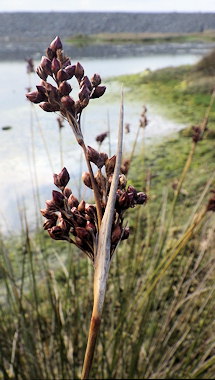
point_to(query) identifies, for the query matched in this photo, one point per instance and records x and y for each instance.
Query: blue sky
(109, 5)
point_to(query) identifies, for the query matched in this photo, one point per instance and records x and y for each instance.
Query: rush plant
(96, 228)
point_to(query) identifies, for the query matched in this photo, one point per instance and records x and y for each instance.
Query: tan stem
(92, 337)
(102, 259)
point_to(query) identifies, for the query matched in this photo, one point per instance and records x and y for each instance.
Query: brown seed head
(48, 107)
(110, 165)
(72, 201)
(211, 203)
(98, 92)
(41, 73)
(70, 70)
(58, 199)
(35, 97)
(96, 80)
(55, 65)
(87, 180)
(100, 138)
(67, 192)
(65, 88)
(56, 44)
(79, 71)
(62, 75)
(61, 179)
(46, 65)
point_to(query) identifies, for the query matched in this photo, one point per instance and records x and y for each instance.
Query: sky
(108, 5)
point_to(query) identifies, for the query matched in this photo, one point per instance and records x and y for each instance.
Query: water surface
(29, 151)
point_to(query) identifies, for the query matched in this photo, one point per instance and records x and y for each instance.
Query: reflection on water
(29, 151)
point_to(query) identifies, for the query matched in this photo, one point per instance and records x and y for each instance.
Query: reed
(96, 230)
(157, 320)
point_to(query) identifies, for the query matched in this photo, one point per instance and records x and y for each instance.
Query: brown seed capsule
(41, 73)
(90, 227)
(50, 54)
(49, 224)
(61, 179)
(141, 198)
(131, 189)
(57, 233)
(125, 167)
(66, 62)
(211, 202)
(98, 92)
(68, 103)
(197, 133)
(48, 107)
(124, 201)
(64, 225)
(87, 180)
(84, 103)
(42, 88)
(70, 70)
(100, 138)
(35, 97)
(86, 82)
(125, 233)
(92, 155)
(82, 233)
(72, 201)
(55, 66)
(103, 158)
(122, 181)
(116, 234)
(65, 88)
(46, 65)
(81, 206)
(56, 44)
(58, 199)
(51, 205)
(90, 210)
(84, 93)
(67, 192)
(49, 214)
(110, 165)
(97, 158)
(79, 71)
(62, 75)
(96, 80)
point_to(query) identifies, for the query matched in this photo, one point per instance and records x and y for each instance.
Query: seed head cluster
(53, 98)
(76, 221)
(67, 218)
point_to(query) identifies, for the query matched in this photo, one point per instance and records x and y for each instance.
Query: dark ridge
(27, 34)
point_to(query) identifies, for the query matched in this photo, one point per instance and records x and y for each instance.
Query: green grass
(139, 38)
(182, 93)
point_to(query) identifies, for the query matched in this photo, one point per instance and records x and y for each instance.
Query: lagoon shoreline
(26, 34)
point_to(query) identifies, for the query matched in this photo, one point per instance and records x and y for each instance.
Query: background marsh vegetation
(158, 320)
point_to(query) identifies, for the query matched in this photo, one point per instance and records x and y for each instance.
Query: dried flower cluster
(57, 98)
(30, 66)
(77, 222)
(68, 218)
(211, 202)
(143, 119)
(100, 138)
(197, 133)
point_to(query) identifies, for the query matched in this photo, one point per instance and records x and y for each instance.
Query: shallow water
(29, 151)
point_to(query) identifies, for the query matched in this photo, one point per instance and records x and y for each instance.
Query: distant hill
(26, 33)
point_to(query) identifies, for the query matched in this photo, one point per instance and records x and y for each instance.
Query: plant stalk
(103, 258)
